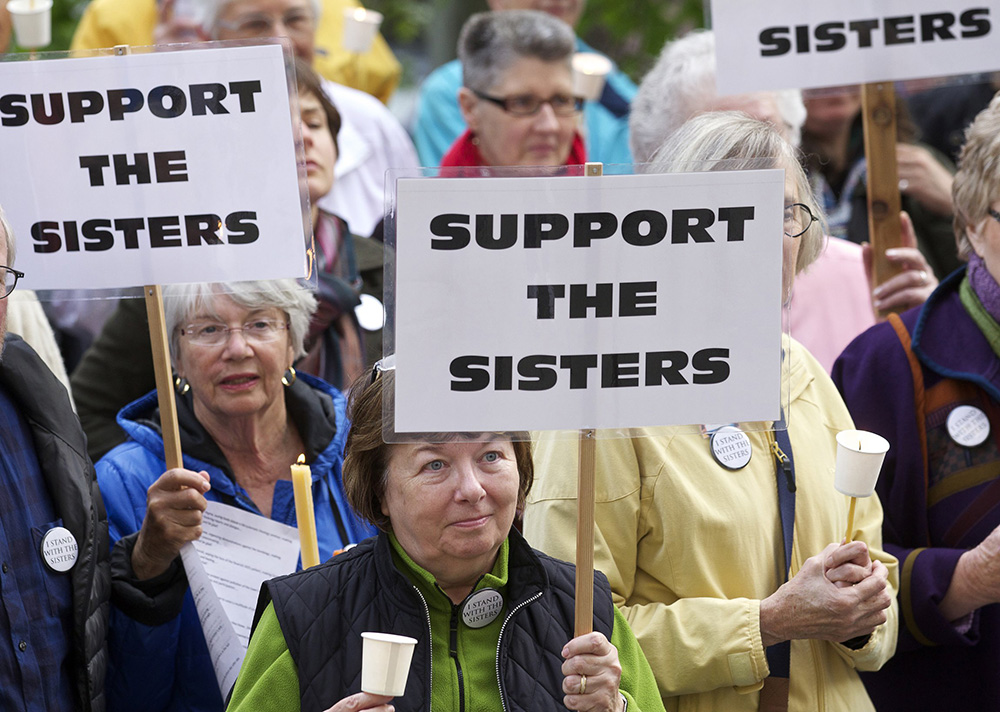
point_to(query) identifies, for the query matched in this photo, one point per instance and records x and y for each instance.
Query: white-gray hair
(491, 42)
(181, 301)
(977, 182)
(682, 84)
(732, 140)
(213, 8)
(8, 232)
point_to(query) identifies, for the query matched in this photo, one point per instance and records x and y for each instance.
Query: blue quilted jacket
(167, 666)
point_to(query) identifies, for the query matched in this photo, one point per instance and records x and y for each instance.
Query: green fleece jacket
(269, 680)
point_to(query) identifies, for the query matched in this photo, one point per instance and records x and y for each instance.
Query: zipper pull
(786, 465)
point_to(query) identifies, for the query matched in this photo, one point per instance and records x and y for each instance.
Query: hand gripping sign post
(788, 44)
(154, 168)
(589, 304)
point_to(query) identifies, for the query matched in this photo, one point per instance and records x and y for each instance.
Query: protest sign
(787, 44)
(575, 302)
(151, 168)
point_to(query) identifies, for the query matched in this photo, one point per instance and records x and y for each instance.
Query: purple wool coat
(940, 498)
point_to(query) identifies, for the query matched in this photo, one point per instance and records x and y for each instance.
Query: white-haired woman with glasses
(730, 570)
(517, 95)
(245, 416)
(928, 380)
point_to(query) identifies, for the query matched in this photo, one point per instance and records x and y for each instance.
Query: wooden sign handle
(878, 106)
(584, 621)
(164, 380)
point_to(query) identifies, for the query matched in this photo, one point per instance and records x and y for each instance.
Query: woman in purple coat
(929, 381)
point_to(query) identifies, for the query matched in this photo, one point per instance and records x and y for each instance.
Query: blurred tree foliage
(631, 32)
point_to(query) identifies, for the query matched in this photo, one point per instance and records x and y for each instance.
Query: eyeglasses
(258, 331)
(297, 22)
(10, 277)
(798, 219)
(993, 214)
(529, 105)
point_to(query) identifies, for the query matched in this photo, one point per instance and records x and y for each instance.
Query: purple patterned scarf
(984, 285)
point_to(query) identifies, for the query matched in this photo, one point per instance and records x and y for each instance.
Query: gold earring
(289, 377)
(182, 385)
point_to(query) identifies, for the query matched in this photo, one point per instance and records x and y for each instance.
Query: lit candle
(360, 28)
(589, 72)
(858, 467)
(304, 514)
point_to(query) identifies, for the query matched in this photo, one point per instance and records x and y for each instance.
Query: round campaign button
(731, 447)
(482, 608)
(59, 549)
(968, 426)
(370, 313)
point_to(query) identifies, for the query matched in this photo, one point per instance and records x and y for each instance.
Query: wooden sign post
(164, 381)
(160, 344)
(584, 621)
(878, 107)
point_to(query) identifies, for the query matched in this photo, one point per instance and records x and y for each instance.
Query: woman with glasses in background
(928, 380)
(517, 94)
(245, 416)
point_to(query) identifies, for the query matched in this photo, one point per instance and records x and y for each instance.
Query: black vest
(323, 611)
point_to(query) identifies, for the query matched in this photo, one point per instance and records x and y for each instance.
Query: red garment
(465, 153)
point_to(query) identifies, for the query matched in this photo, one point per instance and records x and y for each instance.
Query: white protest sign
(151, 168)
(785, 44)
(573, 302)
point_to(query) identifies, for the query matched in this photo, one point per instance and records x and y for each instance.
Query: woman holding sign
(492, 618)
(927, 380)
(724, 556)
(517, 94)
(245, 416)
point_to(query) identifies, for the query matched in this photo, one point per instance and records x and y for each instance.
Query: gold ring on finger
(583, 684)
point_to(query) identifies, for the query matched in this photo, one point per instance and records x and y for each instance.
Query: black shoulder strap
(779, 656)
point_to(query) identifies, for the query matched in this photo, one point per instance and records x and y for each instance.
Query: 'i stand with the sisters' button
(59, 549)
(482, 608)
(731, 447)
(968, 426)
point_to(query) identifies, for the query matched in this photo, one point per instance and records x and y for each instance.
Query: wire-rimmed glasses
(10, 277)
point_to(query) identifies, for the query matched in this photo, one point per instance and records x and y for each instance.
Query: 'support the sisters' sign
(785, 44)
(571, 302)
(151, 168)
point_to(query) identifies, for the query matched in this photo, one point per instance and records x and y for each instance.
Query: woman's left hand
(592, 674)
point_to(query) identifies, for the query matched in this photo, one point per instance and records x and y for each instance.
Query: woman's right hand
(363, 701)
(976, 579)
(810, 605)
(174, 506)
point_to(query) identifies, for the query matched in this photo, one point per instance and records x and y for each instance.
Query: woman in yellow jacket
(694, 550)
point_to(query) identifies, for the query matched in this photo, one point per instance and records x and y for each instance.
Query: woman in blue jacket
(244, 417)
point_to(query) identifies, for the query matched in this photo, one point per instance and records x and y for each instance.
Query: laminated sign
(790, 44)
(574, 302)
(151, 168)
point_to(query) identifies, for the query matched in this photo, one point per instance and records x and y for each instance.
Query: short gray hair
(732, 140)
(977, 182)
(491, 42)
(8, 233)
(181, 301)
(682, 84)
(214, 8)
